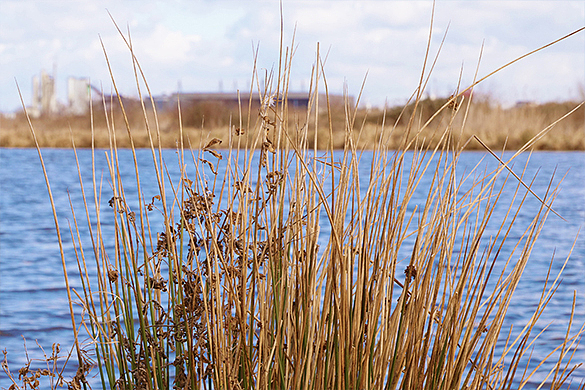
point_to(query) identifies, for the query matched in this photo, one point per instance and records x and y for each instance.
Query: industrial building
(298, 100)
(44, 97)
(80, 91)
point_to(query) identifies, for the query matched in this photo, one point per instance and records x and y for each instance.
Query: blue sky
(205, 45)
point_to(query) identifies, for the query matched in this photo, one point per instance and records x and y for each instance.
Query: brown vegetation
(499, 127)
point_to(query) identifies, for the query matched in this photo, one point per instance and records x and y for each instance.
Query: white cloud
(166, 46)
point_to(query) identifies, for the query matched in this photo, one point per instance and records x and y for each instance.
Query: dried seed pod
(410, 272)
(113, 275)
(268, 146)
(215, 154)
(242, 187)
(453, 104)
(213, 142)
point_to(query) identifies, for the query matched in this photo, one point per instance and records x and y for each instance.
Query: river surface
(33, 300)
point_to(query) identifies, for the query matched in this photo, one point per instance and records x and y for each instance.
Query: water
(33, 300)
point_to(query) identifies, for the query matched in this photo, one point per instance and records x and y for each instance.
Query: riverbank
(498, 127)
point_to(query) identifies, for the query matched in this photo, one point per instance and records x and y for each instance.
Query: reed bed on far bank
(499, 127)
(274, 263)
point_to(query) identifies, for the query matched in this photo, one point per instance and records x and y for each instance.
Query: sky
(210, 46)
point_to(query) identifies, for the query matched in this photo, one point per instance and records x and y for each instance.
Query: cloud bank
(208, 46)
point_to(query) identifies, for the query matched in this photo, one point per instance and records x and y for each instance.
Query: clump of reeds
(273, 264)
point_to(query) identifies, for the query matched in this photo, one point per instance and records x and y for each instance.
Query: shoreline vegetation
(289, 270)
(499, 128)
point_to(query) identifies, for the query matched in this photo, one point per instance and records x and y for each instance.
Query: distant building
(525, 104)
(80, 91)
(44, 98)
(78, 95)
(299, 100)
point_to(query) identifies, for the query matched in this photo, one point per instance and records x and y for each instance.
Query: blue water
(33, 300)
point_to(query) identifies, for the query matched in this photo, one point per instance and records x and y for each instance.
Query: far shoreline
(498, 127)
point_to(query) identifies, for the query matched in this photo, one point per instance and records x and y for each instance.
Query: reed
(274, 263)
(501, 128)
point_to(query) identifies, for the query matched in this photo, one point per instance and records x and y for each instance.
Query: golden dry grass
(498, 127)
